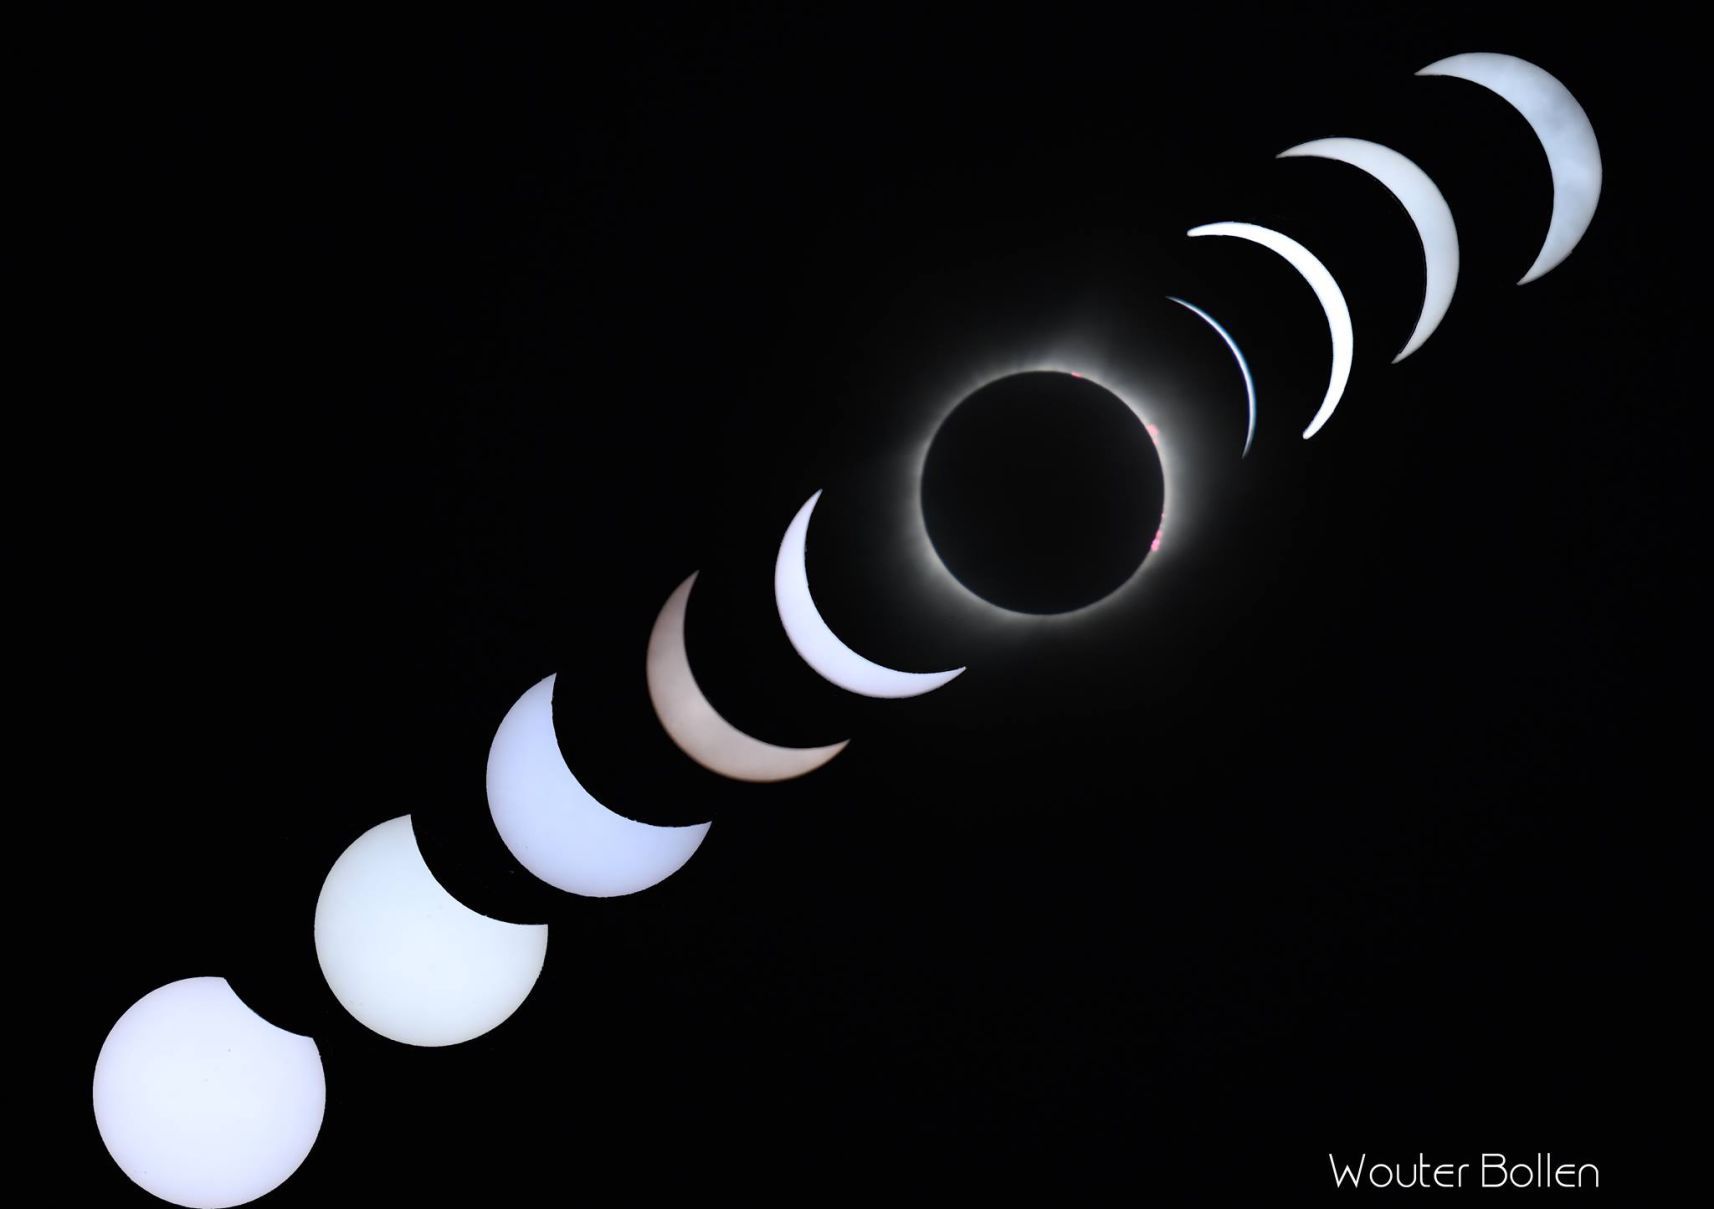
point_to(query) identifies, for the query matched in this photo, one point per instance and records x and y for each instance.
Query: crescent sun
(1243, 365)
(1326, 292)
(694, 724)
(816, 642)
(556, 828)
(1427, 208)
(1573, 155)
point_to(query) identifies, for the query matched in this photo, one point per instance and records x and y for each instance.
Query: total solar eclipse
(1042, 492)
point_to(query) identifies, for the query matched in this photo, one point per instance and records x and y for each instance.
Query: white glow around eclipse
(1171, 501)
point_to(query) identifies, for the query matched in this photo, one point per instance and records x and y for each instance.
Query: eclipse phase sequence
(1041, 492)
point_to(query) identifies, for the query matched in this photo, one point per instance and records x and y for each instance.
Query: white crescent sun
(1568, 138)
(1327, 292)
(1427, 208)
(815, 641)
(1243, 365)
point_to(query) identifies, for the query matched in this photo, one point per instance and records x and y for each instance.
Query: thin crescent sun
(1327, 292)
(815, 641)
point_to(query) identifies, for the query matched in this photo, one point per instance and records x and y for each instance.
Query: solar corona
(201, 1102)
(1053, 552)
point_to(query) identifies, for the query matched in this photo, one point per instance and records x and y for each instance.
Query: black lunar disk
(1042, 492)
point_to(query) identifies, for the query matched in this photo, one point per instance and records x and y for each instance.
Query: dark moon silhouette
(1042, 492)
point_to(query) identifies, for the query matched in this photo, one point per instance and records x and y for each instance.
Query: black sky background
(402, 367)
